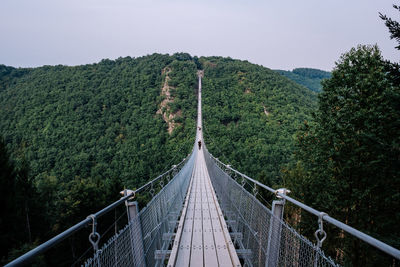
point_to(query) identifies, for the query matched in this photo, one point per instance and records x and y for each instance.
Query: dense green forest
(86, 132)
(348, 155)
(80, 134)
(348, 160)
(310, 78)
(251, 115)
(73, 137)
(98, 120)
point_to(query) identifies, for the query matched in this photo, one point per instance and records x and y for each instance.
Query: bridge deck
(202, 238)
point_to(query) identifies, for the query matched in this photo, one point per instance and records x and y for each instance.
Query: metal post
(132, 209)
(274, 233)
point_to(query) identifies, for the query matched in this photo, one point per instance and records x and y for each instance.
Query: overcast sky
(277, 34)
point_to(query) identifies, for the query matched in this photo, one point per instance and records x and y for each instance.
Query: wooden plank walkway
(202, 237)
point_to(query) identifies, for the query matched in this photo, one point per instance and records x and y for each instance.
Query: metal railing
(260, 234)
(150, 188)
(268, 240)
(150, 229)
(321, 215)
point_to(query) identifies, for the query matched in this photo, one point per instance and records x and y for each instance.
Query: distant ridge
(308, 77)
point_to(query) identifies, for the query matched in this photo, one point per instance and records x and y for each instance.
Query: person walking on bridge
(199, 144)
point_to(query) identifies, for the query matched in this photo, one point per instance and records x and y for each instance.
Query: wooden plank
(223, 255)
(202, 238)
(183, 257)
(210, 255)
(196, 255)
(225, 249)
(176, 245)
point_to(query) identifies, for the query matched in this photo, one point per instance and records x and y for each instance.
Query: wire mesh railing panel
(136, 244)
(268, 240)
(120, 250)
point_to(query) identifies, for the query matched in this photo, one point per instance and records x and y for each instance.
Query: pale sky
(277, 34)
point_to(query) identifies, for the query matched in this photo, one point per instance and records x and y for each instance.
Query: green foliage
(348, 158)
(99, 120)
(21, 207)
(310, 78)
(251, 115)
(393, 26)
(312, 73)
(8, 74)
(7, 197)
(86, 132)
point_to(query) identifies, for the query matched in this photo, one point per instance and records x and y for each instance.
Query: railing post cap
(127, 192)
(283, 191)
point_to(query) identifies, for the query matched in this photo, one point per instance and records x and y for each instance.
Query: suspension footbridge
(206, 214)
(202, 237)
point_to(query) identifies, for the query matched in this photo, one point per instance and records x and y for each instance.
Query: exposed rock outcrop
(165, 109)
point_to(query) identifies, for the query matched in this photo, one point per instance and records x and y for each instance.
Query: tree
(393, 26)
(349, 156)
(21, 215)
(394, 30)
(7, 196)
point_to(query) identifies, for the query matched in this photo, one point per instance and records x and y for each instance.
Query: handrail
(358, 234)
(27, 257)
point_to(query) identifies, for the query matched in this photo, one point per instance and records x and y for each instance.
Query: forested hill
(83, 133)
(78, 135)
(102, 120)
(310, 78)
(129, 119)
(251, 115)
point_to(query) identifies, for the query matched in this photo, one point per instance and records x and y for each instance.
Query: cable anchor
(320, 234)
(152, 191)
(255, 190)
(94, 237)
